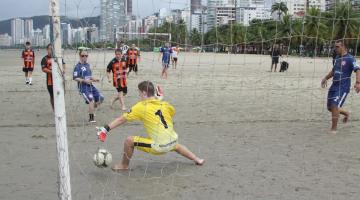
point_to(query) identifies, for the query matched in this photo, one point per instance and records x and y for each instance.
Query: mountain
(41, 21)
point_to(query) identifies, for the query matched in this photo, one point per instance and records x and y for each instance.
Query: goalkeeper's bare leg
(129, 151)
(182, 150)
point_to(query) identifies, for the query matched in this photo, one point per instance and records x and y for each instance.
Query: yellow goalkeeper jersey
(157, 118)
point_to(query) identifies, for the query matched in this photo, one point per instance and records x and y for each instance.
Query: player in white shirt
(174, 55)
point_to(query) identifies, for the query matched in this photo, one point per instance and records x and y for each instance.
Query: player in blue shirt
(165, 52)
(83, 76)
(344, 65)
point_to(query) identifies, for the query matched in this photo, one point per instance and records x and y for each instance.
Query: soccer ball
(102, 158)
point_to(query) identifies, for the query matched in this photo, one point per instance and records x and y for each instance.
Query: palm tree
(280, 8)
(315, 30)
(346, 21)
(195, 37)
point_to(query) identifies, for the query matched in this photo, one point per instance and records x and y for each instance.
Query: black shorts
(50, 90)
(275, 60)
(133, 67)
(122, 89)
(28, 69)
(175, 59)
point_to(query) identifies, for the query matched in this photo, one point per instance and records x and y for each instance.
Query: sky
(82, 8)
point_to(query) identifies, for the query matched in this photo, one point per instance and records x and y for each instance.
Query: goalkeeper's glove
(159, 93)
(102, 132)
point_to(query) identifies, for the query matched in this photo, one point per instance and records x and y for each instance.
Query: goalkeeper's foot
(199, 161)
(119, 168)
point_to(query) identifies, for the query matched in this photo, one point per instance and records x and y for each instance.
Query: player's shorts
(336, 98)
(133, 67)
(92, 95)
(275, 60)
(147, 145)
(122, 89)
(165, 64)
(175, 59)
(50, 90)
(28, 69)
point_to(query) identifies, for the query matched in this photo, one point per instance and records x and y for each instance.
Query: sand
(263, 134)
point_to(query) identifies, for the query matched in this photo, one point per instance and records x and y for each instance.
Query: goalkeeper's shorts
(147, 145)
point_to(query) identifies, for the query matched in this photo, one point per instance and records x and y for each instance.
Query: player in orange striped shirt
(29, 59)
(118, 68)
(46, 67)
(133, 55)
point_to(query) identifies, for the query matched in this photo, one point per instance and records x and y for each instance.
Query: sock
(30, 79)
(91, 117)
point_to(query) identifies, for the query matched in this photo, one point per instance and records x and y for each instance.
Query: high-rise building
(149, 22)
(198, 21)
(129, 7)
(220, 12)
(329, 4)
(46, 33)
(113, 17)
(296, 8)
(65, 34)
(29, 28)
(319, 4)
(5, 40)
(38, 38)
(17, 31)
(248, 10)
(195, 5)
(92, 34)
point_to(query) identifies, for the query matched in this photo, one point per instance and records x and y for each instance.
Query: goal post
(138, 38)
(64, 187)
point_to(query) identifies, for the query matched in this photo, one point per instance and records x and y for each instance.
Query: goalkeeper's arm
(117, 122)
(103, 131)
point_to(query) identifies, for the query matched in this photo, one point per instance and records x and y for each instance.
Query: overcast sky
(81, 8)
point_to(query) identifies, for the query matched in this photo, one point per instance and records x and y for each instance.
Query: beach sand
(263, 134)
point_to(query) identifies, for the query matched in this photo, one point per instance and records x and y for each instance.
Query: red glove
(102, 133)
(159, 92)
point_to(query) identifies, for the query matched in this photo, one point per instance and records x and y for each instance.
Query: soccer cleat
(27, 82)
(92, 120)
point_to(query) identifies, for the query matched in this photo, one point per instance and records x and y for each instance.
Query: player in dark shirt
(46, 67)
(275, 54)
(343, 67)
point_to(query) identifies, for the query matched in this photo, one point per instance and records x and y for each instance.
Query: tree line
(314, 32)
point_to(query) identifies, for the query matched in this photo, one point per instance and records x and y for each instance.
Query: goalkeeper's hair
(148, 87)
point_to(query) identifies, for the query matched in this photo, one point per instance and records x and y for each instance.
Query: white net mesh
(263, 134)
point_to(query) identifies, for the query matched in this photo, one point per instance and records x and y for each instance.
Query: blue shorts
(165, 63)
(92, 95)
(336, 98)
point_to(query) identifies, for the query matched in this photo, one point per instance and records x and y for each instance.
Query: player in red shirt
(133, 56)
(118, 68)
(29, 59)
(46, 67)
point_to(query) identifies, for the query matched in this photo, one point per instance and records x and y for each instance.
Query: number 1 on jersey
(159, 113)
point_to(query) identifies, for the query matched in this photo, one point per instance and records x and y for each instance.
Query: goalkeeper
(157, 118)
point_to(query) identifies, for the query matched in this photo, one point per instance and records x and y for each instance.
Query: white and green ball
(102, 158)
